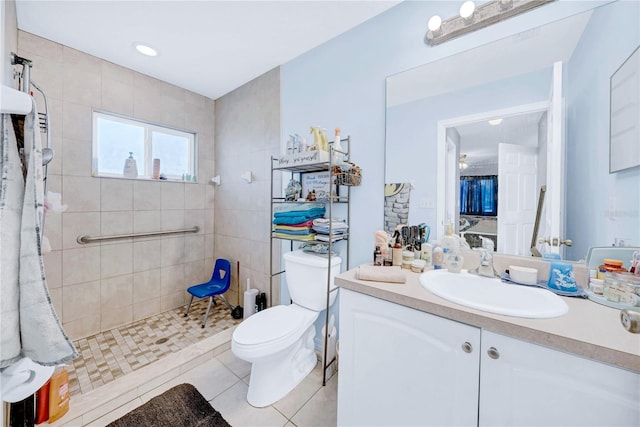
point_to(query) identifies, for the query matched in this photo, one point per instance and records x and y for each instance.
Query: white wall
(607, 205)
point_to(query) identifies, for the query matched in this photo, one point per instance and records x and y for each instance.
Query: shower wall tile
(116, 259)
(146, 255)
(146, 195)
(81, 87)
(53, 269)
(81, 194)
(117, 96)
(196, 248)
(76, 121)
(171, 301)
(173, 112)
(196, 272)
(117, 317)
(172, 220)
(35, 45)
(83, 327)
(75, 224)
(172, 251)
(75, 157)
(146, 285)
(194, 196)
(81, 300)
(105, 278)
(80, 265)
(146, 221)
(147, 308)
(116, 292)
(75, 60)
(111, 71)
(172, 280)
(172, 196)
(117, 194)
(195, 217)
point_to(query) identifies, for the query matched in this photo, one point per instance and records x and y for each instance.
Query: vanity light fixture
(473, 18)
(495, 122)
(467, 11)
(145, 49)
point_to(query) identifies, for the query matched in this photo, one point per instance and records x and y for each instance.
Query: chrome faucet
(486, 264)
(486, 259)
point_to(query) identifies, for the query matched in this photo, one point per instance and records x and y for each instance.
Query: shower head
(47, 155)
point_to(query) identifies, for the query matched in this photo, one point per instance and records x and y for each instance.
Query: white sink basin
(492, 295)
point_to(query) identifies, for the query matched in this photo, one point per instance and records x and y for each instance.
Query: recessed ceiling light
(145, 50)
(495, 122)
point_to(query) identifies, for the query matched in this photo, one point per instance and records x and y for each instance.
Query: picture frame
(624, 121)
(320, 182)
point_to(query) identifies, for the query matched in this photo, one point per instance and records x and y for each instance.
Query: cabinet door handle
(467, 347)
(493, 353)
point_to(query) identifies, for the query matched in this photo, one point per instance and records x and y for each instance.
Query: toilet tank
(307, 278)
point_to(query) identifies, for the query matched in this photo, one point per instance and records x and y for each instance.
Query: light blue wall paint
(342, 83)
(591, 191)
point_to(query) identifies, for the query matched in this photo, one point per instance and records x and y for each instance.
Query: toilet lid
(270, 325)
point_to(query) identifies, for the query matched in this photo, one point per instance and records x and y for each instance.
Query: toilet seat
(273, 329)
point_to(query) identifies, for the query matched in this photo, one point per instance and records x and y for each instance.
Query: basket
(351, 177)
(348, 179)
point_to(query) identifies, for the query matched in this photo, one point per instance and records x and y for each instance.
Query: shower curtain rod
(83, 238)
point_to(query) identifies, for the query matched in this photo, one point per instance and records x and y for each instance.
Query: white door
(517, 192)
(553, 227)
(404, 367)
(524, 384)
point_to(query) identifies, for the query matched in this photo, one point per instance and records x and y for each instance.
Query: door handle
(467, 347)
(493, 353)
(567, 242)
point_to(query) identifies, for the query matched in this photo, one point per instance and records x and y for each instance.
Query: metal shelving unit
(334, 199)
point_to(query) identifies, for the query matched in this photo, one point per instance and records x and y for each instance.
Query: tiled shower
(99, 286)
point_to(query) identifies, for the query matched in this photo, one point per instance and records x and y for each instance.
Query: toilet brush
(237, 312)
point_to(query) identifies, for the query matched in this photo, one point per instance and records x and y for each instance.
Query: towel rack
(83, 238)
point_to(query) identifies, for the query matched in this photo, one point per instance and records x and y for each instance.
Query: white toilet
(279, 341)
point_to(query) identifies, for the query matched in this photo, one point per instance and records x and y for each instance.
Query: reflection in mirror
(440, 111)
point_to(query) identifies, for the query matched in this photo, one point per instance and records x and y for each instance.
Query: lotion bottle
(130, 168)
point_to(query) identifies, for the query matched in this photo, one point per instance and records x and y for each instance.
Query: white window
(117, 138)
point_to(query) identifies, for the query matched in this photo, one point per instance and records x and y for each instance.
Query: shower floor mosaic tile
(117, 352)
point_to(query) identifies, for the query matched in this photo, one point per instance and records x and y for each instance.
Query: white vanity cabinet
(400, 366)
(403, 367)
(527, 384)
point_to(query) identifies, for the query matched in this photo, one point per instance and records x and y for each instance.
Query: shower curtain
(29, 324)
(479, 195)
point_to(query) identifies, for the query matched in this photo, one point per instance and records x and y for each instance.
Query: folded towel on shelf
(286, 208)
(321, 225)
(380, 274)
(304, 224)
(293, 220)
(289, 236)
(294, 232)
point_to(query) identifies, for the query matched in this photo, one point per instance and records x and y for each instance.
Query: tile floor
(113, 359)
(224, 381)
(114, 353)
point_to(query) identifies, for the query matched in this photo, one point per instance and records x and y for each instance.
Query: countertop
(589, 329)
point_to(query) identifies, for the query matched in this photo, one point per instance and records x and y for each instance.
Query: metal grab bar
(83, 238)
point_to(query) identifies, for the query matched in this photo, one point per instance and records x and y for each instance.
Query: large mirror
(480, 133)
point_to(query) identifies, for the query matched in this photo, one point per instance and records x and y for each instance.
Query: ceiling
(479, 140)
(208, 47)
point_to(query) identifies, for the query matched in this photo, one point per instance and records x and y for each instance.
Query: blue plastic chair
(218, 285)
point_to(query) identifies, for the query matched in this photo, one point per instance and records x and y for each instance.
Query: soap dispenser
(130, 167)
